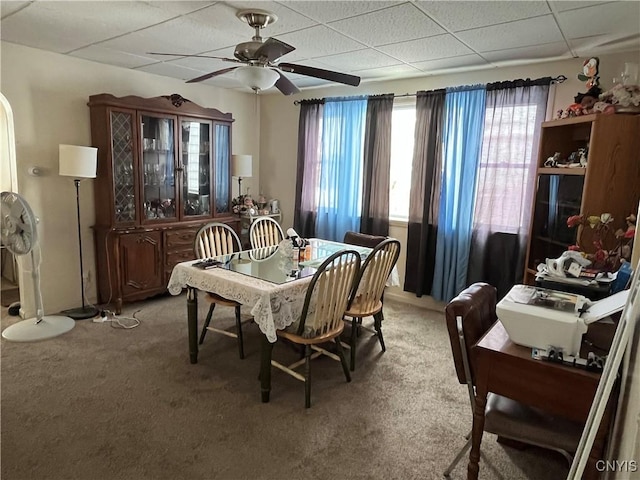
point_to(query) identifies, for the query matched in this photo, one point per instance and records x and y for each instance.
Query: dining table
(268, 280)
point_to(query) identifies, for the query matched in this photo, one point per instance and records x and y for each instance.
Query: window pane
(505, 167)
(402, 131)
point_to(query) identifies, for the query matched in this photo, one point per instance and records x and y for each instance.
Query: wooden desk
(507, 369)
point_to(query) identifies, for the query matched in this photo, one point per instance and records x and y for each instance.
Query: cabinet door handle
(179, 168)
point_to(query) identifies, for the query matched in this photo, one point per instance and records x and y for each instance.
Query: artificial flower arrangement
(604, 258)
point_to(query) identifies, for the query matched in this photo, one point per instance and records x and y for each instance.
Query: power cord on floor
(117, 321)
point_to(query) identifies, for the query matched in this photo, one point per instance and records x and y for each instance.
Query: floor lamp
(79, 162)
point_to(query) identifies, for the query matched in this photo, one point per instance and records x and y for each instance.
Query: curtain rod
(558, 79)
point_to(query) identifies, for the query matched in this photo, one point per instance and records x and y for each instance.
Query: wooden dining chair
(469, 316)
(321, 320)
(366, 297)
(212, 240)
(265, 232)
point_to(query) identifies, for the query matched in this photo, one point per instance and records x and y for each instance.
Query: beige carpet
(100, 403)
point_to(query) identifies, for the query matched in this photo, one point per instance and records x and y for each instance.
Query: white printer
(539, 318)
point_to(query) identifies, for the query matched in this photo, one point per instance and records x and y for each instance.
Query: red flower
(630, 233)
(600, 256)
(574, 220)
(574, 248)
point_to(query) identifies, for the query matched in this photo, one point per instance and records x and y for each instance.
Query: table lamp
(241, 166)
(79, 162)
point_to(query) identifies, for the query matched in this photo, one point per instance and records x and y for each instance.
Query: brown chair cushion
(362, 239)
(477, 306)
(511, 419)
(215, 298)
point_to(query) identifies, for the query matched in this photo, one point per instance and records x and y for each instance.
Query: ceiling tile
(100, 54)
(331, 10)
(7, 8)
(392, 25)
(358, 60)
(617, 17)
(601, 44)
(181, 35)
(431, 48)
(465, 15)
(179, 7)
(521, 33)
(170, 70)
(320, 41)
(452, 62)
(561, 6)
(550, 50)
(394, 71)
(47, 25)
(288, 20)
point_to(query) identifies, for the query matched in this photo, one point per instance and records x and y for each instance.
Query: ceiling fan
(261, 67)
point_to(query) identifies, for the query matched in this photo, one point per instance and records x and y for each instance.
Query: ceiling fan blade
(272, 49)
(285, 85)
(320, 73)
(210, 75)
(198, 56)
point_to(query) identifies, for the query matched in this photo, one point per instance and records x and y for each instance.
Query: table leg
(192, 323)
(476, 435)
(265, 368)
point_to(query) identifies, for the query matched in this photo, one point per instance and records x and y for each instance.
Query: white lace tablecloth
(274, 307)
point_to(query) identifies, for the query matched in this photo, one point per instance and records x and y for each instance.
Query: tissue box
(539, 318)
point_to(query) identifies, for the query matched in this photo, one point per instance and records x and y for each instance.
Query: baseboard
(427, 302)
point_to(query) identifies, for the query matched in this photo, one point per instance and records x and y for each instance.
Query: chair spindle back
(216, 239)
(375, 271)
(265, 232)
(330, 286)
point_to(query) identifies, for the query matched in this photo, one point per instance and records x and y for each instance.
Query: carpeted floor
(100, 403)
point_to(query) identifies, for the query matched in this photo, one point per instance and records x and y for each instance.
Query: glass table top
(275, 266)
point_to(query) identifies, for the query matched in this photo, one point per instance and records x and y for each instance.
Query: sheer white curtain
(505, 187)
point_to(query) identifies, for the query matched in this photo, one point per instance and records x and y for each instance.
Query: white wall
(279, 123)
(48, 93)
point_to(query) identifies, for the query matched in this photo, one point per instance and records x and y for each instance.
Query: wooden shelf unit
(610, 183)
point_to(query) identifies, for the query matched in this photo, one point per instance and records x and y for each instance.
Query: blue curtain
(462, 142)
(222, 185)
(340, 190)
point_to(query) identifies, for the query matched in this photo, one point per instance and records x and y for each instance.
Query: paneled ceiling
(375, 40)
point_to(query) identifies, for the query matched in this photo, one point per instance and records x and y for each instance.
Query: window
(402, 138)
(506, 167)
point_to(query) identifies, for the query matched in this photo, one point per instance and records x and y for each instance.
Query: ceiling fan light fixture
(257, 78)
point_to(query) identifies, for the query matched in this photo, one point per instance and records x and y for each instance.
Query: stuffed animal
(590, 72)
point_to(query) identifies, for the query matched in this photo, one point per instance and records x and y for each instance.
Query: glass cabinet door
(223, 168)
(122, 156)
(158, 168)
(196, 165)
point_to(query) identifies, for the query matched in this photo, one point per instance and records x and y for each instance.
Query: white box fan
(20, 236)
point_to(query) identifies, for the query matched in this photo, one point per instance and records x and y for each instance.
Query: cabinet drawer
(180, 238)
(174, 258)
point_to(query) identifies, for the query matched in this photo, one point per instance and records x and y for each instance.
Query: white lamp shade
(241, 166)
(78, 162)
(258, 78)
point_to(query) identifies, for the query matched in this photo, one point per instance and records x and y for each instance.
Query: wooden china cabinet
(163, 172)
